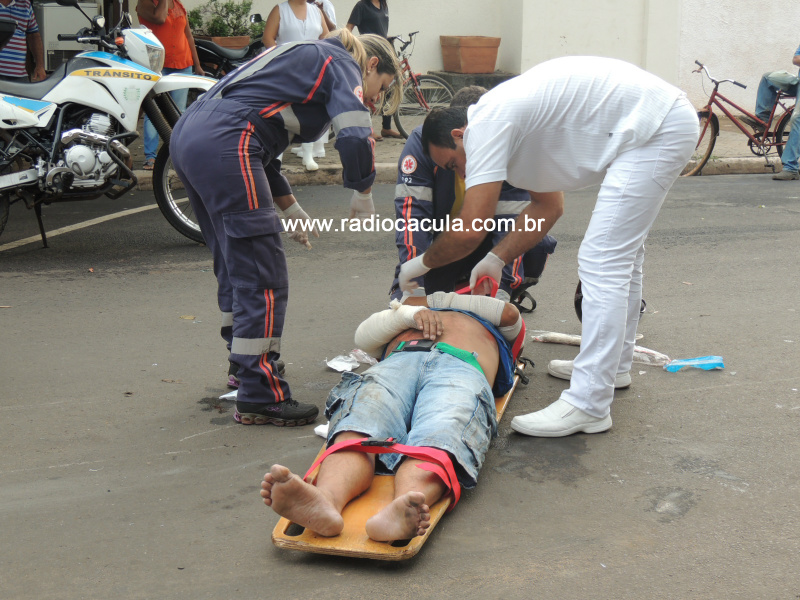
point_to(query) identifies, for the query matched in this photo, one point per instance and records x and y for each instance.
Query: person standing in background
(26, 38)
(167, 19)
(297, 21)
(372, 16)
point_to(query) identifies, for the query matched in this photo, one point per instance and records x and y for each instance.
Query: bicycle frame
(717, 99)
(405, 67)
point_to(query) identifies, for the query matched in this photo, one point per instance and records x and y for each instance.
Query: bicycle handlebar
(718, 81)
(403, 43)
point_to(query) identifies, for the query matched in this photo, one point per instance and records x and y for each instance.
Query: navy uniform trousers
(220, 156)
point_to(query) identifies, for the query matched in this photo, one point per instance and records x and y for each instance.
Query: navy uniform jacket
(292, 92)
(427, 192)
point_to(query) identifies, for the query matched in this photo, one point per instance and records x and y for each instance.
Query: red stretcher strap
(495, 286)
(438, 461)
(516, 348)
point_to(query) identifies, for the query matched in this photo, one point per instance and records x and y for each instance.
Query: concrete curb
(740, 166)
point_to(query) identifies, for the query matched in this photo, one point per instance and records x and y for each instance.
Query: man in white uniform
(564, 125)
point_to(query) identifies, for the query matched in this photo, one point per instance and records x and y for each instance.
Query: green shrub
(224, 18)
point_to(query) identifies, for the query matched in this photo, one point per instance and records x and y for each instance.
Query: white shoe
(559, 419)
(563, 370)
(319, 149)
(298, 150)
(308, 157)
(309, 164)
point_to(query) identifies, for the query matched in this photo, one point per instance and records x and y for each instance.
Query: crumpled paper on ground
(350, 361)
(322, 430)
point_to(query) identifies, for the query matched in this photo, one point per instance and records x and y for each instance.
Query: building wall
(738, 39)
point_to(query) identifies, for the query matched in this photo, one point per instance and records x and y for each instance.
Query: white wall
(738, 39)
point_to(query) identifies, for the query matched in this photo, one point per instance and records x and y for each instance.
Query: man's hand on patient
(430, 323)
(490, 265)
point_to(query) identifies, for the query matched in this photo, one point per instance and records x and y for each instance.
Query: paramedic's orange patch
(409, 165)
(359, 94)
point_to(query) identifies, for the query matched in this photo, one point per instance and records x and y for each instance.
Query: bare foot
(300, 502)
(406, 517)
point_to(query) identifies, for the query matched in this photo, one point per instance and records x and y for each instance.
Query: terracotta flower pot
(469, 53)
(233, 41)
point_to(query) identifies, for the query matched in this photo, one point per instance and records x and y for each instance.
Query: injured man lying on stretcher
(433, 391)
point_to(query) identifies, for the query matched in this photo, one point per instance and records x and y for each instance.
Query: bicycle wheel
(783, 130)
(709, 130)
(171, 197)
(433, 92)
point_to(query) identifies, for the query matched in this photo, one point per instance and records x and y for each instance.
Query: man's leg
(408, 515)
(765, 97)
(629, 201)
(791, 150)
(454, 411)
(342, 476)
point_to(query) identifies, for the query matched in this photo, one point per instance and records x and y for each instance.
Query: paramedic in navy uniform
(224, 149)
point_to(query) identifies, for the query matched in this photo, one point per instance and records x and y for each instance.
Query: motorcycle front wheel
(172, 198)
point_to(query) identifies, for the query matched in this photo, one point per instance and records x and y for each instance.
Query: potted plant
(225, 22)
(469, 53)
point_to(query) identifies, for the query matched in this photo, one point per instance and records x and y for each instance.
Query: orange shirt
(173, 35)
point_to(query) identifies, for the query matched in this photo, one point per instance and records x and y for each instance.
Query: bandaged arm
(504, 316)
(382, 327)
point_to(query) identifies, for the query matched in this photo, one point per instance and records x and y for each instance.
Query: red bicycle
(421, 93)
(761, 136)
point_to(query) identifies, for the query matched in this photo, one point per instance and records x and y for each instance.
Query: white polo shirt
(559, 125)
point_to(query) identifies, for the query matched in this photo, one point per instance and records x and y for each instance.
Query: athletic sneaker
(233, 369)
(287, 413)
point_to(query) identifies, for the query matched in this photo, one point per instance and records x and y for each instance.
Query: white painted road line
(68, 228)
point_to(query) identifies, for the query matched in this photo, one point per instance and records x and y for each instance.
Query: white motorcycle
(66, 138)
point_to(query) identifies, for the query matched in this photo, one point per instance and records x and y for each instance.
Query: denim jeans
(768, 89)
(150, 133)
(419, 399)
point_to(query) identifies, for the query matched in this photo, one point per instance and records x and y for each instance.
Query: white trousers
(612, 253)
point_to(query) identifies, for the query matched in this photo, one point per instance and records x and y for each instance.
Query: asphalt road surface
(124, 476)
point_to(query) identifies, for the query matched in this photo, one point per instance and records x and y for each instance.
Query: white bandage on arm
(511, 332)
(380, 328)
(487, 308)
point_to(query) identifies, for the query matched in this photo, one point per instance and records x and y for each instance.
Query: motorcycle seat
(229, 53)
(35, 90)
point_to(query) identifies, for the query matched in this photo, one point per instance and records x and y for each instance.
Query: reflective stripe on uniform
(227, 319)
(420, 192)
(353, 118)
(258, 63)
(255, 347)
